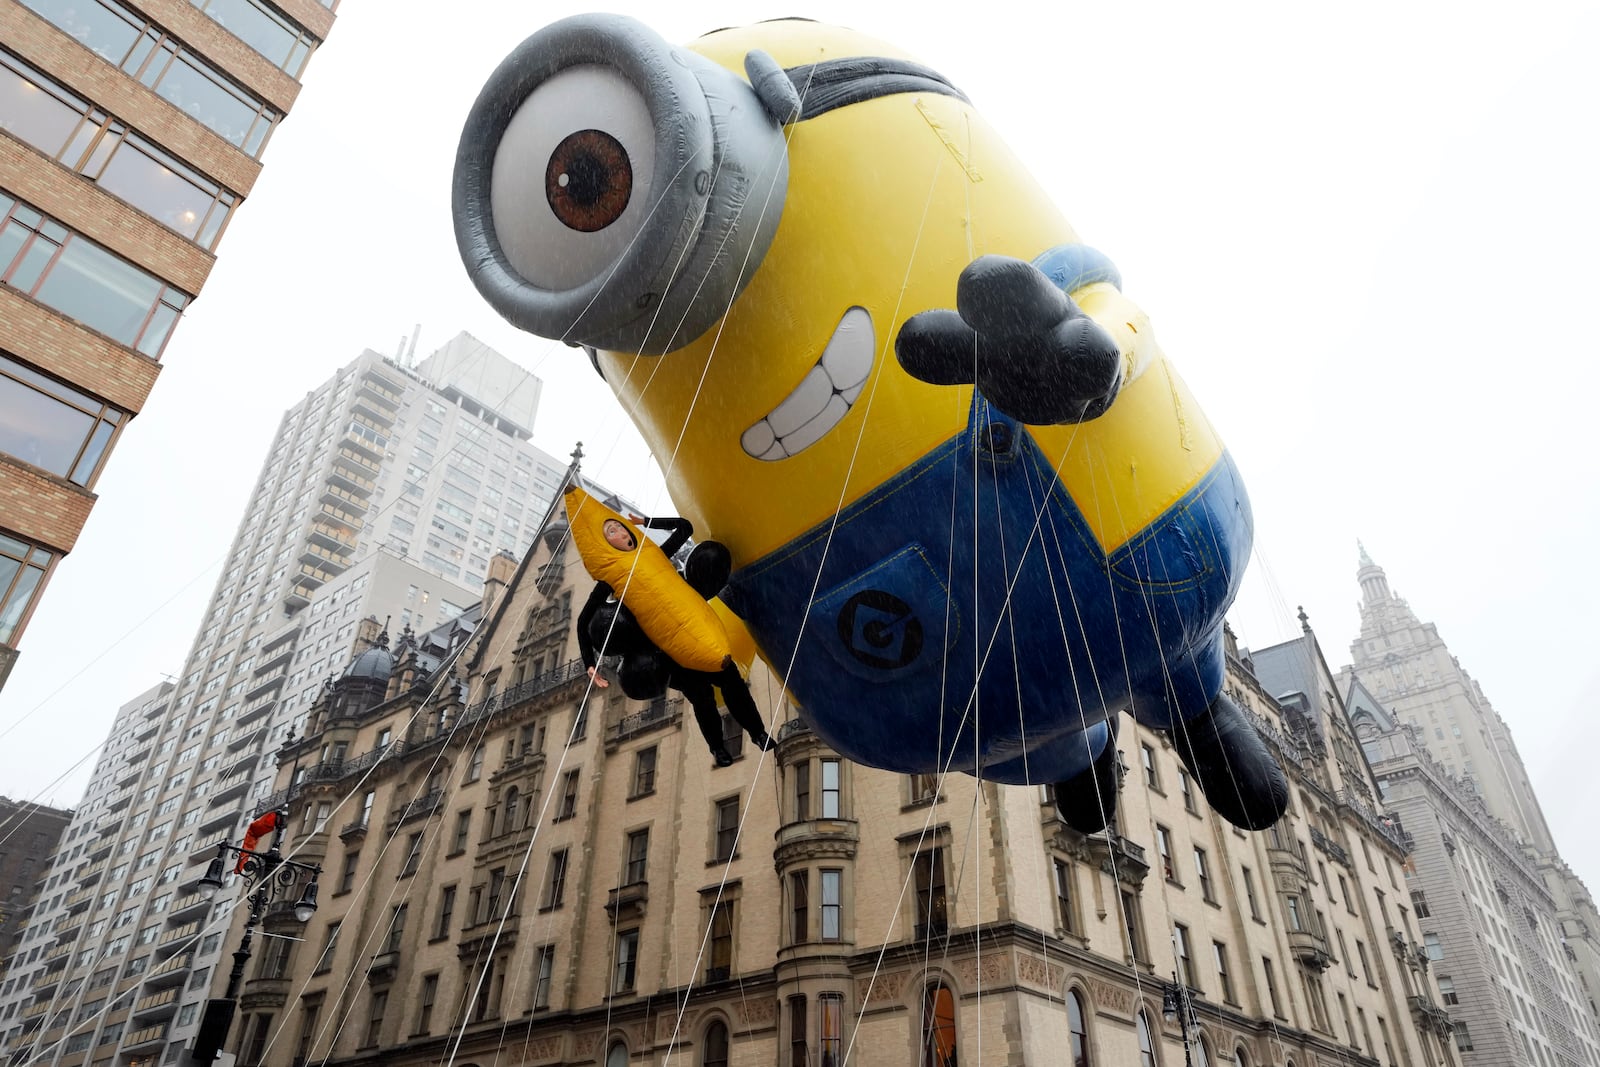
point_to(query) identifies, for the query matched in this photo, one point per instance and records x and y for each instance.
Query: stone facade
(517, 864)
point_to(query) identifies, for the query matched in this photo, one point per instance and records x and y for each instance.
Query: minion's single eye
(588, 180)
(571, 177)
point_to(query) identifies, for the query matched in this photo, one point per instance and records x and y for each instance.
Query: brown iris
(588, 180)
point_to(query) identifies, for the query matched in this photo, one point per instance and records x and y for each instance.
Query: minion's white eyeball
(571, 179)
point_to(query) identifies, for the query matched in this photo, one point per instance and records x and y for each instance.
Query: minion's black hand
(1029, 349)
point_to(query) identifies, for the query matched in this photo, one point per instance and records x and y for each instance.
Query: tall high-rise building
(1405, 664)
(1491, 929)
(387, 496)
(28, 835)
(129, 134)
(519, 868)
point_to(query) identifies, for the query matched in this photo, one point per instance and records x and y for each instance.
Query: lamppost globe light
(212, 881)
(306, 907)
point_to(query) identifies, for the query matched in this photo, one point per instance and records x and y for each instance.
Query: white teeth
(823, 396)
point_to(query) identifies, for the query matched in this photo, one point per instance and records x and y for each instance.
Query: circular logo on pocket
(880, 630)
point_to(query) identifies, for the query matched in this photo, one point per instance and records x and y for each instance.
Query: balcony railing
(660, 712)
(538, 684)
(1385, 828)
(1334, 851)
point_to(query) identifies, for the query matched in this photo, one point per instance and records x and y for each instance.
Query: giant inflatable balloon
(973, 511)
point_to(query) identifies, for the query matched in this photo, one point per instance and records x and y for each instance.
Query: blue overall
(966, 618)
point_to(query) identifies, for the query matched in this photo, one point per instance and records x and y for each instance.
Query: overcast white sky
(1366, 233)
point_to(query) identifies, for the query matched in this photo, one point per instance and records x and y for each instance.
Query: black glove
(1027, 347)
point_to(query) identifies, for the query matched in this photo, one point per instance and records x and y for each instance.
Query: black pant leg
(741, 705)
(697, 690)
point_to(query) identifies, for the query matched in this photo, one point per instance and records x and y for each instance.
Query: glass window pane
(83, 473)
(33, 113)
(95, 25)
(158, 190)
(100, 291)
(17, 602)
(32, 264)
(40, 430)
(255, 25)
(203, 97)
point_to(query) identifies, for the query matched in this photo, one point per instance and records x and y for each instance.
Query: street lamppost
(1177, 1007)
(268, 877)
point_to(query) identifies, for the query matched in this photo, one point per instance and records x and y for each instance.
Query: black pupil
(587, 178)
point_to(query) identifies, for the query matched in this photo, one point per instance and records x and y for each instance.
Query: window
(1147, 1049)
(76, 277)
(493, 899)
(49, 424)
(510, 810)
(636, 868)
(924, 788)
(627, 959)
(447, 910)
(1164, 847)
(1293, 902)
(266, 31)
(1203, 872)
(430, 993)
(727, 829)
(799, 906)
(798, 1050)
(830, 1028)
(832, 906)
(1147, 759)
(569, 796)
(474, 766)
(802, 790)
(1435, 950)
(1130, 919)
(830, 789)
(1063, 873)
(1419, 903)
(1447, 990)
(1186, 790)
(1180, 944)
(644, 772)
(1079, 1051)
(22, 571)
(543, 969)
(413, 855)
(458, 844)
(347, 877)
(719, 965)
(397, 928)
(556, 882)
(1224, 979)
(932, 902)
(938, 1027)
(1250, 894)
(375, 1010)
(330, 942)
(715, 1049)
(1366, 964)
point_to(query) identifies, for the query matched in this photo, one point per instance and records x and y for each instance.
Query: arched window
(1080, 1034)
(510, 811)
(1240, 1057)
(716, 1046)
(617, 1055)
(1202, 1057)
(1147, 1047)
(938, 1027)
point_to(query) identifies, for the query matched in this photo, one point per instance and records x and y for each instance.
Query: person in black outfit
(605, 628)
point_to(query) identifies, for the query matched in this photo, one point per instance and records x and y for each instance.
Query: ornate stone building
(521, 869)
(1489, 924)
(1404, 663)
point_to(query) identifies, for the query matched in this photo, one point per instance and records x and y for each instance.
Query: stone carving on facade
(1111, 999)
(1039, 973)
(880, 988)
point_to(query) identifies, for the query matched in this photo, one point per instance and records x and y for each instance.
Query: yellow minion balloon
(973, 511)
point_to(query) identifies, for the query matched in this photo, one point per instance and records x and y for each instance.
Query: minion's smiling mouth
(823, 396)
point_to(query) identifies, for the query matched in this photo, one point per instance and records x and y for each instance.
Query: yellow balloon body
(678, 619)
(888, 200)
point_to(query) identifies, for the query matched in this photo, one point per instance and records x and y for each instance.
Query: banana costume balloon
(671, 614)
(973, 552)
